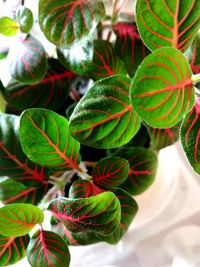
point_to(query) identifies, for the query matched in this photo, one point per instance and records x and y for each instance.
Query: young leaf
(129, 46)
(65, 22)
(75, 239)
(115, 121)
(28, 63)
(13, 161)
(80, 64)
(8, 26)
(46, 248)
(13, 192)
(193, 55)
(25, 18)
(110, 172)
(83, 189)
(19, 219)
(161, 138)
(162, 90)
(105, 61)
(50, 93)
(129, 209)
(168, 23)
(12, 249)
(99, 214)
(45, 140)
(143, 165)
(190, 136)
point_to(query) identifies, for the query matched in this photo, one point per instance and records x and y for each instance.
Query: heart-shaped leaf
(129, 46)
(65, 22)
(110, 172)
(46, 248)
(13, 192)
(75, 239)
(105, 61)
(100, 214)
(13, 161)
(12, 249)
(115, 121)
(25, 18)
(129, 209)
(161, 138)
(50, 93)
(45, 140)
(80, 64)
(8, 26)
(143, 166)
(190, 136)
(168, 23)
(28, 63)
(162, 90)
(19, 219)
(193, 54)
(83, 189)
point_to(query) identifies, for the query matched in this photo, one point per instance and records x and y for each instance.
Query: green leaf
(50, 93)
(19, 219)
(28, 63)
(143, 166)
(193, 55)
(129, 209)
(115, 121)
(13, 162)
(65, 22)
(25, 18)
(83, 189)
(99, 214)
(46, 248)
(80, 64)
(161, 138)
(110, 172)
(12, 191)
(105, 61)
(3, 52)
(2, 100)
(12, 249)
(140, 139)
(190, 136)
(129, 46)
(168, 23)
(75, 239)
(45, 140)
(8, 26)
(162, 90)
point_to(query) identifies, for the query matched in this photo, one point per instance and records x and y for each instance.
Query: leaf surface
(162, 90)
(25, 18)
(19, 219)
(193, 55)
(115, 121)
(164, 23)
(8, 26)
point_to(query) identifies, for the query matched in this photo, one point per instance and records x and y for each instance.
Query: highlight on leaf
(162, 91)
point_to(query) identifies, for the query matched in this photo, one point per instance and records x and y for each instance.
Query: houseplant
(82, 157)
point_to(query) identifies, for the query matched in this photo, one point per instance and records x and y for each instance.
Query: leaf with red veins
(193, 54)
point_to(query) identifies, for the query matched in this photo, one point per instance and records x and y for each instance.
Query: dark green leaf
(8, 26)
(168, 23)
(110, 172)
(12, 249)
(13, 161)
(3, 52)
(65, 22)
(45, 140)
(50, 93)
(129, 46)
(105, 61)
(193, 54)
(143, 166)
(190, 136)
(100, 214)
(19, 219)
(141, 138)
(25, 18)
(104, 117)
(46, 248)
(28, 63)
(162, 90)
